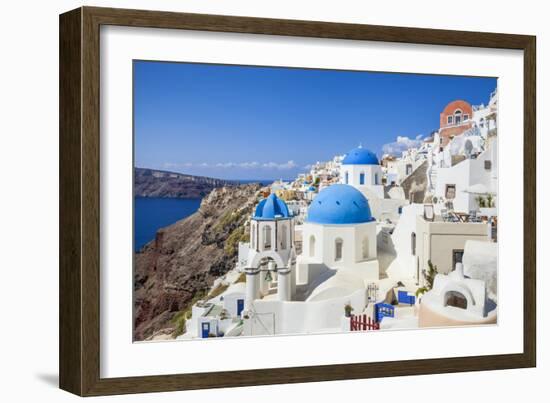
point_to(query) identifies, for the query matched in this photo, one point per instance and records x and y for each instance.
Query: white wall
(351, 236)
(310, 317)
(29, 144)
(372, 178)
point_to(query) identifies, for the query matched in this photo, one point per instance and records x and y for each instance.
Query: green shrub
(241, 278)
(429, 277)
(179, 320)
(232, 241)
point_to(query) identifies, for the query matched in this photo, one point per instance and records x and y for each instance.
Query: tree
(429, 277)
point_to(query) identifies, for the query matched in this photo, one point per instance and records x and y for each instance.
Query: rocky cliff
(186, 257)
(155, 183)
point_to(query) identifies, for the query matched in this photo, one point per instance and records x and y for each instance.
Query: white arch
(255, 263)
(460, 289)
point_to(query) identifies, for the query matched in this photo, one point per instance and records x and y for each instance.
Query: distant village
(361, 243)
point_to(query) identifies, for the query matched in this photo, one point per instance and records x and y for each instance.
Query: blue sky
(240, 122)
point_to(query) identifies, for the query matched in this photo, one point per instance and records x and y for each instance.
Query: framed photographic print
(249, 201)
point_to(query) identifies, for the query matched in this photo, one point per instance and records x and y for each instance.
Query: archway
(456, 299)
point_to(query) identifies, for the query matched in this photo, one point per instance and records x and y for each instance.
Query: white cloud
(402, 143)
(228, 165)
(285, 165)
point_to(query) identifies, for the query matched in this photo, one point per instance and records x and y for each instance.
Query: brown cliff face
(186, 257)
(155, 183)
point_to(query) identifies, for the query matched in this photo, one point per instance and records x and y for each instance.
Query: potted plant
(487, 207)
(348, 309)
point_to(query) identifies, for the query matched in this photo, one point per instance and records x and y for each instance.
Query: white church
(286, 293)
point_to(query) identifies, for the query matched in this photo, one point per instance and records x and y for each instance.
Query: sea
(154, 213)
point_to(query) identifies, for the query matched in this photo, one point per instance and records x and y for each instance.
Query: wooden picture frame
(80, 198)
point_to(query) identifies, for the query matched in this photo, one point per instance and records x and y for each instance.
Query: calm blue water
(152, 213)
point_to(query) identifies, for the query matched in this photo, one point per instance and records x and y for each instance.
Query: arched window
(311, 246)
(267, 237)
(346, 178)
(458, 116)
(338, 246)
(283, 236)
(376, 179)
(365, 247)
(456, 299)
(362, 178)
(413, 243)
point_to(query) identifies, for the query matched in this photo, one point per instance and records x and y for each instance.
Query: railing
(363, 322)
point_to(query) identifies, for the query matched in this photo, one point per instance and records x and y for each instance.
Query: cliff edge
(186, 257)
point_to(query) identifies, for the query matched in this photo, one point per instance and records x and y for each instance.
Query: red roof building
(455, 119)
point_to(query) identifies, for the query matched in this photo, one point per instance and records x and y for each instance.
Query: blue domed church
(339, 233)
(361, 169)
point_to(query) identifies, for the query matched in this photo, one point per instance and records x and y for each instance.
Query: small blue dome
(360, 156)
(339, 204)
(271, 208)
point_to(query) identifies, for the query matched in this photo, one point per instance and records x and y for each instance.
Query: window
(253, 230)
(283, 236)
(408, 169)
(267, 237)
(457, 257)
(376, 179)
(487, 164)
(449, 120)
(361, 178)
(413, 244)
(311, 246)
(365, 247)
(346, 178)
(458, 116)
(465, 117)
(450, 192)
(338, 244)
(482, 122)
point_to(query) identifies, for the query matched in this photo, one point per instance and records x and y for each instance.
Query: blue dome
(271, 208)
(339, 204)
(360, 156)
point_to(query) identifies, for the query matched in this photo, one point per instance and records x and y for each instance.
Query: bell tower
(271, 255)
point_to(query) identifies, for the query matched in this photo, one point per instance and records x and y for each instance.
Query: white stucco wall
(405, 264)
(373, 178)
(353, 237)
(302, 317)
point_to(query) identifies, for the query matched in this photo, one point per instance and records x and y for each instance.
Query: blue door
(383, 310)
(403, 297)
(205, 329)
(240, 306)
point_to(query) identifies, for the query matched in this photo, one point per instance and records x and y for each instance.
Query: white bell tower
(271, 256)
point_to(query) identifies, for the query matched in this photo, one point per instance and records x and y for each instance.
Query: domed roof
(360, 156)
(339, 204)
(271, 208)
